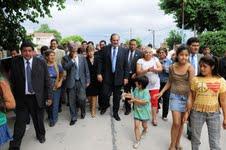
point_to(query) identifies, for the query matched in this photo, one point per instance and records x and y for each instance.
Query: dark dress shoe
(51, 124)
(116, 116)
(42, 139)
(83, 116)
(72, 122)
(102, 111)
(127, 112)
(14, 148)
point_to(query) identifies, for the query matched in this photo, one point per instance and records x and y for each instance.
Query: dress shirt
(25, 66)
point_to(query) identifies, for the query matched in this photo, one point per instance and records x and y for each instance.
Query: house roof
(42, 34)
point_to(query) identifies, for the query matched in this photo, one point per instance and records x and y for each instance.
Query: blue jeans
(53, 113)
(197, 119)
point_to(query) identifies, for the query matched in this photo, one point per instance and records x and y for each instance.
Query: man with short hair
(77, 80)
(113, 72)
(193, 46)
(14, 52)
(58, 52)
(133, 55)
(32, 91)
(102, 43)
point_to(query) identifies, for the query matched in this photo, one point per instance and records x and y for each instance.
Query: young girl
(180, 75)
(141, 107)
(6, 102)
(208, 93)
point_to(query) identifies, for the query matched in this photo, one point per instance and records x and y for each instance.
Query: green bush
(74, 38)
(215, 40)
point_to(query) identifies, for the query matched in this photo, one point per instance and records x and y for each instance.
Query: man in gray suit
(78, 78)
(193, 46)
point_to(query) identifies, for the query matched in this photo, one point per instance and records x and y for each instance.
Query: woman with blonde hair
(92, 90)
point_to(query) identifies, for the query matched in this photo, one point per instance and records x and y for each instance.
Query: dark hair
(179, 50)
(90, 42)
(43, 49)
(211, 61)
(192, 40)
(27, 44)
(114, 34)
(54, 40)
(103, 41)
(84, 42)
(48, 52)
(150, 45)
(162, 49)
(14, 49)
(142, 80)
(132, 40)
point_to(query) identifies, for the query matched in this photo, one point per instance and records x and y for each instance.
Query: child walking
(141, 108)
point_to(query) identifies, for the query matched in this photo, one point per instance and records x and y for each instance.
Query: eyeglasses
(147, 52)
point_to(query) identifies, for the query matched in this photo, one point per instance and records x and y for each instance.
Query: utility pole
(183, 1)
(153, 37)
(130, 33)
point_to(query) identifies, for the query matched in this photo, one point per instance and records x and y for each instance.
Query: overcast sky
(96, 19)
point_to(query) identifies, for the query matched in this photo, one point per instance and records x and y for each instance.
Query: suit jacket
(199, 56)
(69, 66)
(59, 55)
(40, 81)
(137, 55)
(105, 66)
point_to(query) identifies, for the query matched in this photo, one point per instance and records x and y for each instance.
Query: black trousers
(165, 97)
(107, 90)
(22, 112)
(100, 100)
(127, 89)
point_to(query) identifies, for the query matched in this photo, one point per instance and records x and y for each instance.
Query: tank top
(179, 83)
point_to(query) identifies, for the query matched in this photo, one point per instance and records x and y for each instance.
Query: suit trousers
(127, 89)
(107, 90)
(37, 115)
(165, 97)
(77, 96)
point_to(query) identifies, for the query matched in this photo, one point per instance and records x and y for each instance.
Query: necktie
(193, 61)
(130, 57)
(28, 73)
(76, 71)
(113, 59)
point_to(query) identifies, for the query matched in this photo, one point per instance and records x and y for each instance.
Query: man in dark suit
(32, 91)
(113, 72)
(78, 78)
(132, 55)
(193, 46)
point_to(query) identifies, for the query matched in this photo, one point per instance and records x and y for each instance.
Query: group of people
(190, 84)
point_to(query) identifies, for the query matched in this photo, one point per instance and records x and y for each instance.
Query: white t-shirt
(154, 80)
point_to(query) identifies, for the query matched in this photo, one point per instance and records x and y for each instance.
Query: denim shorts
(177, 102)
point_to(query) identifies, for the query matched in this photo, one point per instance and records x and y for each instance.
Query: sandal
(154, 123)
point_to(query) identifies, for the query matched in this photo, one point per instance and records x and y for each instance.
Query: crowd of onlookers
(187, 80)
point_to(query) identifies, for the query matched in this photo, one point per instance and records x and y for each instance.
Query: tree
(15, 12)
(173, 38)
(45, 28)
(72, 38)
(200, 14)
(215, 40)
(139, 42)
